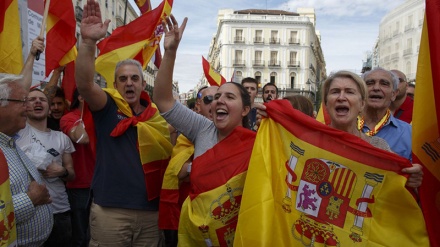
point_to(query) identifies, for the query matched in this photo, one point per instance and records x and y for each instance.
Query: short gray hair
(6, 81)
(129, 62)
(393, 76)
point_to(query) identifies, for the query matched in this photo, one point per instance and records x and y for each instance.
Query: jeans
(80, 212)
(61, 232)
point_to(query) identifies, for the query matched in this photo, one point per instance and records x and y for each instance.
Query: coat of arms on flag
(312, 185)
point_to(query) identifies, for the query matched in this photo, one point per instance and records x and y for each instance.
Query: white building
(399, 38)
(270, 45)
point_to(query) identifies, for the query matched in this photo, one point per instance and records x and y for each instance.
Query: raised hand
(173, 34)
(92, 27)
(37, 45)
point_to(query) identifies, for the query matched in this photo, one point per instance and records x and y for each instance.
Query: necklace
(378, 126)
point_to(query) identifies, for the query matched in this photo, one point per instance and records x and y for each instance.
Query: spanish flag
(11, 58)
(174, 192)
(61, 35)
(214, 78)
(137, 40)
(8, 231)
(426, 118)
(312, 185)
(209, 215)
(145, 6)
(322, 115)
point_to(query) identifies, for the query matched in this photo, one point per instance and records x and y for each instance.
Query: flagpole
(43, 25)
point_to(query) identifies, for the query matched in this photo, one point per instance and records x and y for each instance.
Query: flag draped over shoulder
(153, 139)
(174, 192)
(426, 118)
(209, 214)
(61, 35)
(136, 40)
(214, 78)
(308, 183)
(11, 60)
(8, 231)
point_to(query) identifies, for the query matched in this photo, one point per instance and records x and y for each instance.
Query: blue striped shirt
(34, 223)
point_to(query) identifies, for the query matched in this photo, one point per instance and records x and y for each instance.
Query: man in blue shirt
(377, 119)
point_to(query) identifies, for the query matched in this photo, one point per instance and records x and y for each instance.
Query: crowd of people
(112, 167)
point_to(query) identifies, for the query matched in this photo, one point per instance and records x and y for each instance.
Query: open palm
(92, 26)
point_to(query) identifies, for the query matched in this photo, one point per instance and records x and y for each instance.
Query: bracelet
(65, 175)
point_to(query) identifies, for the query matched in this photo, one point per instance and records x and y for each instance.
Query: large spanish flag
(426, 118)
(8, 231)
(145, 6)
(61, 35)
(136, 40)
(11, 60)
(312, 185)
(214, 78)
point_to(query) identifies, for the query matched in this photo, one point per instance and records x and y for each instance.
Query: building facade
(399, 38)
(272, 46)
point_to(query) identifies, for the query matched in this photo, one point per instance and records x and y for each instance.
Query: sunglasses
(208, 99)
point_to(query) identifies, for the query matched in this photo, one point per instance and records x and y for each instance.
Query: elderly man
(377, 119)
(270, 92)
(402, 107)
(30, 196)
(132, 145)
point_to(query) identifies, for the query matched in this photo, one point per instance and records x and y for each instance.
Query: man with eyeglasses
(31, 199)
(402, 106)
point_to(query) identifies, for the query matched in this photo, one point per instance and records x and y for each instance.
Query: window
(292, 60)
(258, 36)
(294, 37)
(239, 36)
(258, 78)
(273, 77)
(292, 80)
(274, 37)
(408, 68)
(258, 57)
(238, 76)
(273, 57)
(238, 57)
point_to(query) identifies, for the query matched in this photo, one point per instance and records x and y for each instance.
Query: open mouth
(342, 109)
(221, 114)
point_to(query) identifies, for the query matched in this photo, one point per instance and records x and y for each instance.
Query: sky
(349, 28)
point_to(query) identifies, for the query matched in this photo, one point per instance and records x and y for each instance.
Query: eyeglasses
(23, 101)
(208, 99)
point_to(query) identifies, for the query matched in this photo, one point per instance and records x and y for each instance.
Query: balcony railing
(395, 32)
(274, 41)
(119, 21)
(259, 40)
(407, 51)
(238, 63)
(394, 56)
(294, 41)
(293, 63)
(258, 63)
(408, 27)
(238, 39)
(274, 63)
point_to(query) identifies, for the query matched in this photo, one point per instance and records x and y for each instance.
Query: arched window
(292, 80)
(258, 77)
(273, 77)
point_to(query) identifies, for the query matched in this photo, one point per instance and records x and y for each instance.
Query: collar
(8, 141)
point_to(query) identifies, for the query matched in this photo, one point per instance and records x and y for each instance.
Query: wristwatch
(66, 174)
